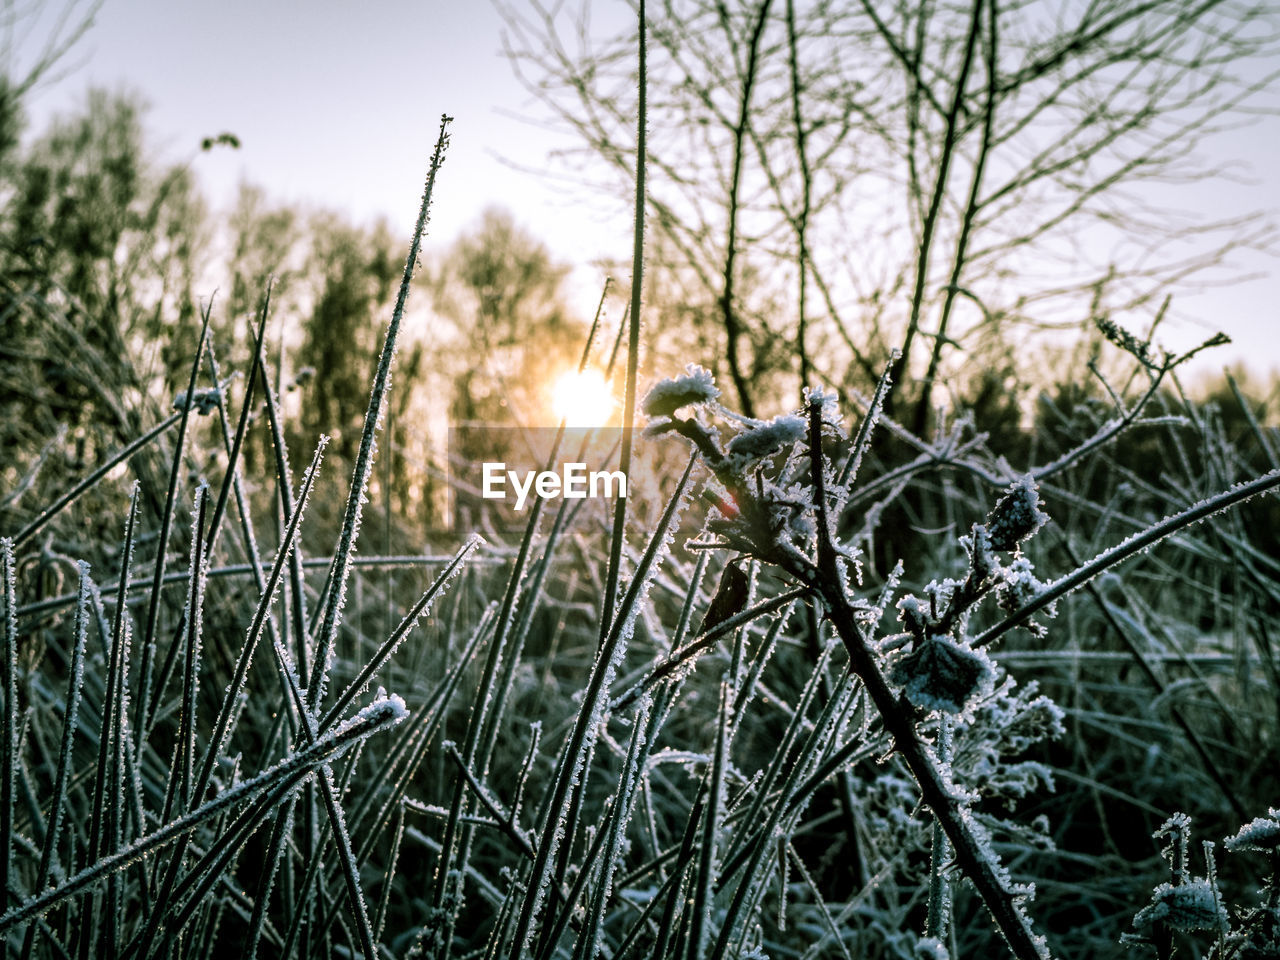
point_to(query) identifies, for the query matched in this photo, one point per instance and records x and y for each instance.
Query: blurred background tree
(503, 294)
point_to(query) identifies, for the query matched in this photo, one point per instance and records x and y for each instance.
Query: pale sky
(337, 106)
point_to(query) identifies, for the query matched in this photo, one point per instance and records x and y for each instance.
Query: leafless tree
(840, 179)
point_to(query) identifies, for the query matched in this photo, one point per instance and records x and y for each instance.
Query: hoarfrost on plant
(1189, 906)
(667, 396)
(765, 439)
(940, 674)
(1017, 516)
(1260, 835)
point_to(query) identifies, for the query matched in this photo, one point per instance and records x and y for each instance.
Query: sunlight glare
(582, 399)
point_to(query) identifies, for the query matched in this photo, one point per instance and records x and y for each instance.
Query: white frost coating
(667, 396)
(1017, 516)
(912, 615)
(10, 591)
(1189, 906)
(982, 558)
(291, 675)
(1018, 894)
(1260, 835)
(390, 709)
(943, 675)
(765, 439)
(616, 846)
(829, 401)
(75, 683)
(931, 948)
(342, 835)
(1018, 588)
(376, 716)
(1178, 830)
(1021, 582)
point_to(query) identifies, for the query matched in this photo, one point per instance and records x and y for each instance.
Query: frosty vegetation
(840, 680)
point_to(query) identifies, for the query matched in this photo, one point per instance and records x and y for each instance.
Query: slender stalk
(582, 737)
(1133, 545)
(806, 196)
(143, 720)
(370, 720)
(89, 482)
(222, 724)
(9, 718)
(728, 308)
(633, 335)
(332, 613)
(75, 684)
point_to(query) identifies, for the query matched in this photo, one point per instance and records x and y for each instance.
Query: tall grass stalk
(75, 683)
(143, 720)
(332, 612)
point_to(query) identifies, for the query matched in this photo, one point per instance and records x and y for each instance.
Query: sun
(582, 399)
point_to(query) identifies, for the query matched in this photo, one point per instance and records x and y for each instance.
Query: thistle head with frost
(763, 505)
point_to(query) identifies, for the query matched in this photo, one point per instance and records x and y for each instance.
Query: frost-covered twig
(972, 851)
(1126, 549)
(789, 526)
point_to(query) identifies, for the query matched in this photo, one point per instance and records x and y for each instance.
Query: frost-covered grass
(872, 696)
(821, 757)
